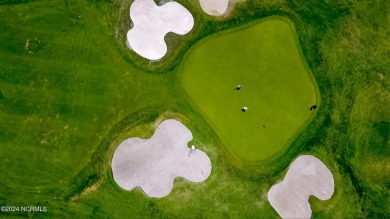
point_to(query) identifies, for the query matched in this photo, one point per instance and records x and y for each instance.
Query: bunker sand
(306, 176)
(152, 23)
(154, 163)
(214, 7)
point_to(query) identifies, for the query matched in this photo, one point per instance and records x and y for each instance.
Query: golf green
(277, 87)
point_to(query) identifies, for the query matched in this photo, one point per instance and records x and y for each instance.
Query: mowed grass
(59, 102)
(79, 74)
(277, 87)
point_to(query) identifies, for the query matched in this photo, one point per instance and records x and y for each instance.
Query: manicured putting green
(277, 87)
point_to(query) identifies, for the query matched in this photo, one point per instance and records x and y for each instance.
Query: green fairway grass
(58, 102)
(277, 88)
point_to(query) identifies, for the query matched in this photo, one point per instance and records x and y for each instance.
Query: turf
(277, 88)
(67, 106)
(63, 97)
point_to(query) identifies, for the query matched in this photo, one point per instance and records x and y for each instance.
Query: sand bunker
(152, 23)
(154, 163)
(306, 176)
(214, 7)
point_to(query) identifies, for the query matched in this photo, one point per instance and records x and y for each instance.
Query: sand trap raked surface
(154, 163)
(152, 23)
(306, 176)
(214, 7)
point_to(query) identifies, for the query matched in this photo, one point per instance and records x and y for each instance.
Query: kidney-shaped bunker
(306, 176)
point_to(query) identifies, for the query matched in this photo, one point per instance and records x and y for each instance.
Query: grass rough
(83, 92)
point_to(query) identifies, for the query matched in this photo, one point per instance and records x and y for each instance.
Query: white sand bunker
(154, 163)
(306, 176)
(214, 7)
(152, 23)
